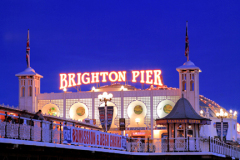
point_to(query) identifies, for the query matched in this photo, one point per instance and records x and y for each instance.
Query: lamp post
(104, 98)
(222, 115)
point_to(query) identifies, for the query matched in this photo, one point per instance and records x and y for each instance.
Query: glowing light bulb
(137, 120)
(110, 95)
(104, 94)
(225, 114)
(235, 113)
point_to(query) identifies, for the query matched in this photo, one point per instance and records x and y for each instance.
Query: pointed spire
(187, 43)
(28, 51)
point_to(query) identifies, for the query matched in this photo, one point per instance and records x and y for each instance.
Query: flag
(187, 43)
(28, 51)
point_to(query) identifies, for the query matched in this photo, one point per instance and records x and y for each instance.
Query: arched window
(183, 86)
(22, 93)
(191, 86)
(30, 91)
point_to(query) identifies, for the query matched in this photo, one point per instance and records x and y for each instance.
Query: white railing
(22, 128)
(161, 145)
(44, 131)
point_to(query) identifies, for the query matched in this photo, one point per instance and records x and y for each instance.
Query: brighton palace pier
(156, 121)
(139, 107)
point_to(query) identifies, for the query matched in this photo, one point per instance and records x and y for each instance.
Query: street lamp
(222, 115)
(104, 98)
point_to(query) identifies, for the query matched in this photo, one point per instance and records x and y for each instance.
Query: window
(22, 93)
(191, 86)
(180, 130)
(189, 130)
(183, 86)
(30, 91)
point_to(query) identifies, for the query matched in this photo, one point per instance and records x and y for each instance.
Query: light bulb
(104, 94)
(110, 95)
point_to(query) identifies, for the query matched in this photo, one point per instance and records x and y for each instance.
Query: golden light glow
(137, 120)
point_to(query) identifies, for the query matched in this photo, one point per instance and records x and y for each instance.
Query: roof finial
(187, 43)
(28, 51)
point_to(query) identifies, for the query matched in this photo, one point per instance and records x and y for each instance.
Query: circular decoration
(167, 108)
(80, 111)
(52, 111)
(138, 109)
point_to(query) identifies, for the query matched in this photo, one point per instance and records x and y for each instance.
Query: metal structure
(105, 97)
(222, 115)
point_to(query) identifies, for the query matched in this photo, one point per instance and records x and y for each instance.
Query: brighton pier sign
(152, 77)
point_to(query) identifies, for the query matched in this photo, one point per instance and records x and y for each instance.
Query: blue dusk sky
(87, 36)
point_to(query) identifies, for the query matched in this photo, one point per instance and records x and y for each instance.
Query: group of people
(38, 116)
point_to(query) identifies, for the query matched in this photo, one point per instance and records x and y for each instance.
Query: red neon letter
(135, 74)
(104, 74)
(87, 78)
(115, 75)
(157, 78)
(122, 76)
(63, 78)
(95, 75)
(148, 77)
(71, 81)
(79, 79)
(142, 77)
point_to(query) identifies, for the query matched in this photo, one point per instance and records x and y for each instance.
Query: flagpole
(187, 43)
(28, 51)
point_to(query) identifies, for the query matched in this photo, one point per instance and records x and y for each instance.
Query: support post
(6, 125)
(31, 126)
(106, 116)
(60, 132)
(221, 129)
(51, 128)
(41, 130)
(130, 144)
(148, 145)
(209, 139)
(168, 137)
(19, 126)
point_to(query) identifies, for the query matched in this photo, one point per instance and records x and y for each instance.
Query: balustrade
(45, 131)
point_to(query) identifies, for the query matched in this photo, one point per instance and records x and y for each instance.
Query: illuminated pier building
(139, 107)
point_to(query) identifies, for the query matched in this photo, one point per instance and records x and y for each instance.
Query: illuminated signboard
(76, 79)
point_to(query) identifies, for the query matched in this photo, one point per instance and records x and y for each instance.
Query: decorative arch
(30, 91)
(164, 108)
(137, 110)
(78, 111)
(22, 92)
(51, 109)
